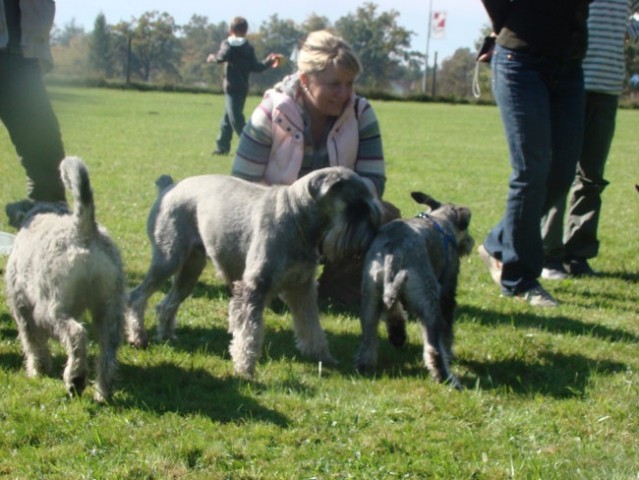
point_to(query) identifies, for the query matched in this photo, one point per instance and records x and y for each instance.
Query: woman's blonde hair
(322, 48)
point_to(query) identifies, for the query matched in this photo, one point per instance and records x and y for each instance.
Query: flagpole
(430, 22)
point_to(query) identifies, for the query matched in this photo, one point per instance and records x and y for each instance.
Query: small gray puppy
(263, 241)
(413, 264)
(62, 263)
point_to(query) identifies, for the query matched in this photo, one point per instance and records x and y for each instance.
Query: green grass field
(549, 394)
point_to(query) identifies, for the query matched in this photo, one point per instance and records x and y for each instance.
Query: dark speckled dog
(413, 265)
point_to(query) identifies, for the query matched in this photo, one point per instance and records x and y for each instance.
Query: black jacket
(552, 28)
(240, 62)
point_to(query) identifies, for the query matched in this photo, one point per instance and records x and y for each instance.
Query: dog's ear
(463, 218)
(334, 179)
(637, 187)
(17, 212)
(424, 199)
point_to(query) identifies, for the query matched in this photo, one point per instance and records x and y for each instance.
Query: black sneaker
(218, 151)
(578, 267)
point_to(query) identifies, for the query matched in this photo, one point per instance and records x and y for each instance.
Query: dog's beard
(351, 234)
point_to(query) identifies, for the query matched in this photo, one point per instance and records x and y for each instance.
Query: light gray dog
(413, 264)
(62, 263)
(263, 241)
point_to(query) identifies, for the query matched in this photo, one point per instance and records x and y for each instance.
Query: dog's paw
(327, 359)
(366, 360)
(364, 368)
(136, 334)
(397, 335)
(138, 342)
(454, 382)
(76, 386)
(244, 372)
(101, 396)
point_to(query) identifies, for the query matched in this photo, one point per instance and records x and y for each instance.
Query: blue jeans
(541, 102)
(232, 121)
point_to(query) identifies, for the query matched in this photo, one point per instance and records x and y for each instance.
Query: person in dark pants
(240, 61)
(567, 253)
(25, 108)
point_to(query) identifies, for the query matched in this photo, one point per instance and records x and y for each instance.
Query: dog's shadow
(10, 360)
(183, 390)
(553, 374)
(569, 373)
(557, 324)
(167, 387)
(202, 289)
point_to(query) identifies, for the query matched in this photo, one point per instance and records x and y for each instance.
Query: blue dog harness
(447, 238)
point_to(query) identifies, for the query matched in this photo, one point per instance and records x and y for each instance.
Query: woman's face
(328, 91)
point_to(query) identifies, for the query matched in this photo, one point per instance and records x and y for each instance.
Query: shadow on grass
(556, 324)
(169, 388)
(186, 390)
(201, 289)
(632, 277)
(555, 374)
(11, 361)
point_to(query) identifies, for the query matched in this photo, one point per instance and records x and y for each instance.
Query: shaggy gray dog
(62, 264)
(413, 264)
(263, 241)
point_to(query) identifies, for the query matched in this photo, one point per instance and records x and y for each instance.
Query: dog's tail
(393, 281)
(76, 180)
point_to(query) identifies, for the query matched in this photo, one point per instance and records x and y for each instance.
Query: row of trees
(154, 49)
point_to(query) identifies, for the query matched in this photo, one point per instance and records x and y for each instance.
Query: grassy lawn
(548, 394)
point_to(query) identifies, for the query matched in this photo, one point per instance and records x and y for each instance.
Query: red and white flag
(438, 25)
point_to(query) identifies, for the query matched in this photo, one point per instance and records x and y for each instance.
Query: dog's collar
(447, 238)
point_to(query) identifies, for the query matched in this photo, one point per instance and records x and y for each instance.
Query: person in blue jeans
(538, 85)
(240, 61)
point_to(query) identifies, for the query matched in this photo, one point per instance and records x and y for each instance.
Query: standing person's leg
(567, 117)
(522, 96)
(567, 101)
(552, 234)
(33, 127)
(235, 111)
(223, 141)
(581, 240)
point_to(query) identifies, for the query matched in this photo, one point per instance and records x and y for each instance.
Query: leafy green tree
(315, 22)
(65, 35)
(381, 43)
(70, 60)
(199, 39)
(100, 53)
(277, 36)
(122, 39)
(156, 47)
(455, 77)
